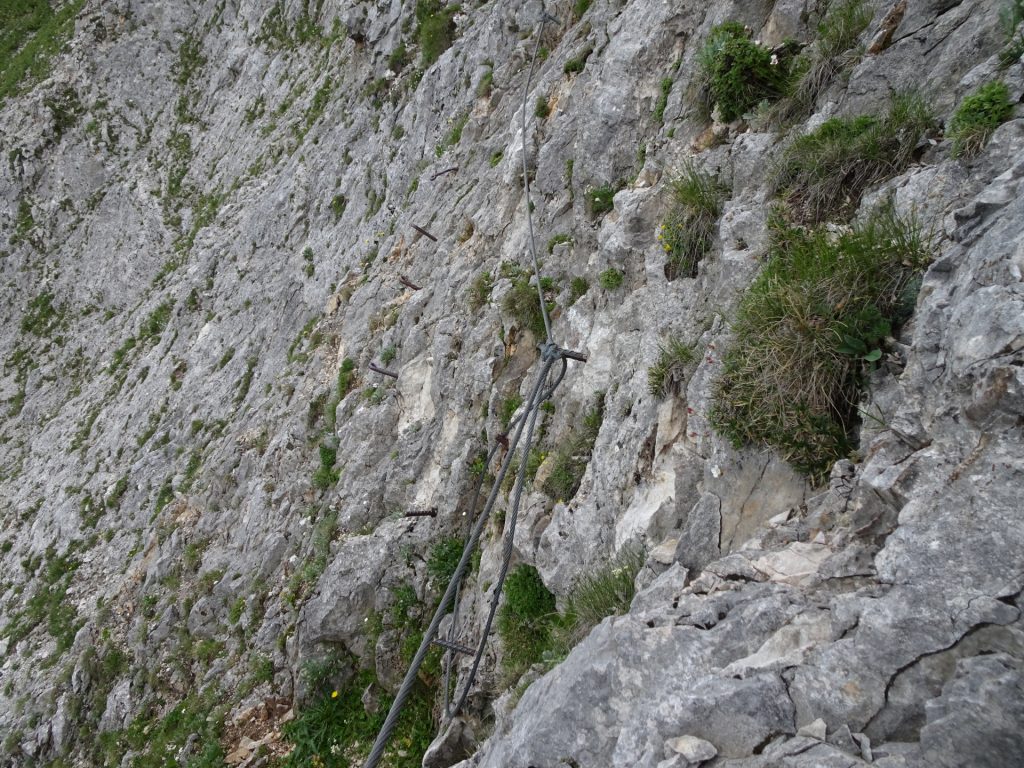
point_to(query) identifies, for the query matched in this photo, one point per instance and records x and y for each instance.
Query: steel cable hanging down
(526, 422)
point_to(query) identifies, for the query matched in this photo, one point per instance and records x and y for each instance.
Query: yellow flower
(334, 694)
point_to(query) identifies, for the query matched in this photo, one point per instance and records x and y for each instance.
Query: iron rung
(454, 646)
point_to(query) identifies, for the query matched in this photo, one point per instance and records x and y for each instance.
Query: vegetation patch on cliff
(818, 313)
(688, 231)
(31, 33)
(824, 173)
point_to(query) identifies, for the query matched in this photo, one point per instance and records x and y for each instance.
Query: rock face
(204, 482)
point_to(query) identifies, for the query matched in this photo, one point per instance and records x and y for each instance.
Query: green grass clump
(610, 279)
(606, 591)
(824, 173)
(569, 460)
(688, 231)
(578, 287)
(821, 307)
(31, 33)
(346, 377)
(50, 603)
(541, 108)
(436, 31)
(668, 373)
(444, 559)
(522, 302)
(978, 115)
(486, 84)
(508, 409)
(559, 239)
(600, 200)
(579, 8)
(42, 317)
(737, 72)
(159, 734)
(454, 136)
(337, 732)
(659, 107)
(525, 620)
(480, 290)
(832, 51)
(577, 64)
(338, 205)
(326, 475)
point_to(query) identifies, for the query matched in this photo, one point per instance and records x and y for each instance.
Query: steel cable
(527, 420)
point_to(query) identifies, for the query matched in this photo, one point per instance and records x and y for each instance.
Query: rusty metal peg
(432, 512)
(573, 355)
(408, 283)
(383, 371)
(424, 232)
(452, 169)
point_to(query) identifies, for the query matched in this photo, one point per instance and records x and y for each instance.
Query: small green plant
(436, 31)
(508, 409)
(610, 279)
(606, 591)
(398, 58)
(326, 476)
(444, 559)
(307, 257)
(480, 290)
(819, 310)
(387, 355)
(578, 287)
(541, 109)
(579, 8)
(346, 377)
(737, 73)
(559, 239)
(496, 158)
(525, 620)
(824, 173)
(600, 199)
(688, 231)
(577, 64)
(978, 115)
(454, 136)
(667, 374)
(569, 460)
(338, 205)
(522, 301)
(833, 51)
(662, 103)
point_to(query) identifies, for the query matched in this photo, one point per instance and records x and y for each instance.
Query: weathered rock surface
(194, 501)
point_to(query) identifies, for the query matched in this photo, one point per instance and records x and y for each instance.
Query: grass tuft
(688, 230)
(522, 302)
(977, 117)
(569, 460)
(821, 308)
(737, 73)
(610, 279)
(667, 374)
(832, 52)
(824, 173)
(600, 200)
(525, 620)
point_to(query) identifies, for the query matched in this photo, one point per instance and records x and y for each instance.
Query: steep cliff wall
(208, 236)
